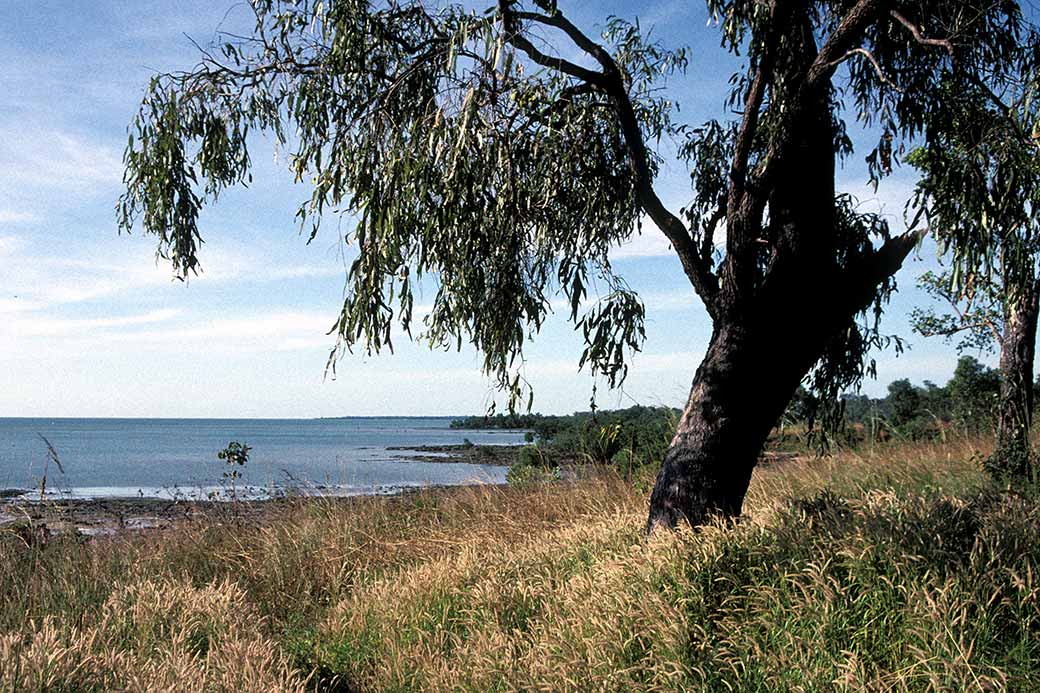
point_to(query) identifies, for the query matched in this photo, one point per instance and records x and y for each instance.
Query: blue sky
(91, 325)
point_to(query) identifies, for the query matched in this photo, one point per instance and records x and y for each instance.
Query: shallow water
(167, 457)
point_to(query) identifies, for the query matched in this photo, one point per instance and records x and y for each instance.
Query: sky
(91, 325)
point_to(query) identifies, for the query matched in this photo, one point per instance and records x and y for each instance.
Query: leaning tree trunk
(751, 370)
(1012, 458)
(739, 392)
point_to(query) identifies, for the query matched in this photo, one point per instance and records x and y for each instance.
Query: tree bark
(739, 392)
(1015, 409)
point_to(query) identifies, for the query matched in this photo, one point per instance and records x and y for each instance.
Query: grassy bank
(893, 569)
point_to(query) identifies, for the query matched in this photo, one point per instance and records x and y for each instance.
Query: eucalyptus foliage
(980, 191)
(975, 319)
(463, 150)
(450, 158)
(980, 165)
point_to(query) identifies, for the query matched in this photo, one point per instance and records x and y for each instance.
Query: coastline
(34, 518)
(36, 521)
(499, 455)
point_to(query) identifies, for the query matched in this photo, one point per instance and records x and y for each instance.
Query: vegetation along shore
(899, 567)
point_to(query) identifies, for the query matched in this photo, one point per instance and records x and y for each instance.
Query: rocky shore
(502, 455)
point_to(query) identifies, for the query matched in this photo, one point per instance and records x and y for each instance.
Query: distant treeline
(629, 439)
(505, 421)
(547, 428)
(967, 403)
(632, 438)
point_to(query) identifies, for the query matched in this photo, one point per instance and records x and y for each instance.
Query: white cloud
(36, 283)
(9, 245)
(166, 329)
(77, 327)
(261, 332)
(11, 216)
(56, 159)
(650, 243)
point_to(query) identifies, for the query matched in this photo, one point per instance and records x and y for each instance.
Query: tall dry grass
(895, 568)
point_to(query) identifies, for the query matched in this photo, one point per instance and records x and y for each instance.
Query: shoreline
(35, 518)
(498, 455)
(474, 454)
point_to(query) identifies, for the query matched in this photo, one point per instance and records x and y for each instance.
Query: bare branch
(515, 37)
(573, 33)
(920, 37)
(873, 61)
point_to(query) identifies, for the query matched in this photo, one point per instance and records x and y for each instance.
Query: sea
(177, 458)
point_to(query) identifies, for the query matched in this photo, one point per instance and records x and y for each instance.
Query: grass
(895, 568)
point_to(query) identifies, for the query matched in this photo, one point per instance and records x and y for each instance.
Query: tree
(974, 391)
(467, 150)
(980, 190)
(936, 402)
(905, 403)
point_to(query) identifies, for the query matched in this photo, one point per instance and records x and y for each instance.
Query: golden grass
(885, 569)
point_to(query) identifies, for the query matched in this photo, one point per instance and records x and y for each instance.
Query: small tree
(904, 402)
(235, 456)
(980, 190)
(974, 395)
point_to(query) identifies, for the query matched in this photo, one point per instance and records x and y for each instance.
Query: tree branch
(842, 40)
(746, 134)
(552, 62)
(708, 234)
(881, 264)
(573, 33)
(515, 37)
(873, 61)
(610, 80)
(920, 37)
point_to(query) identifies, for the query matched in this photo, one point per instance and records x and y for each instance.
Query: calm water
(161, 457)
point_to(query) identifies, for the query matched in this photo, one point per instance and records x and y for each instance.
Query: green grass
(896, 568)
